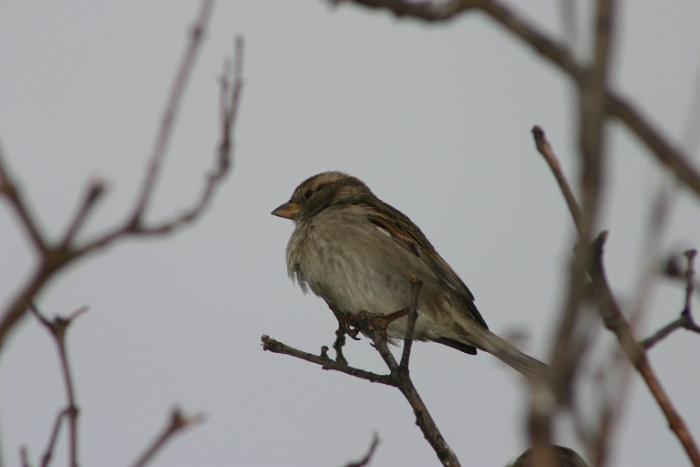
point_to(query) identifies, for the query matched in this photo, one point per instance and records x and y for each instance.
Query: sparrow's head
(320, 191)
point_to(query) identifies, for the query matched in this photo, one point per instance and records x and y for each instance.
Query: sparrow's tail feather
(485, 340)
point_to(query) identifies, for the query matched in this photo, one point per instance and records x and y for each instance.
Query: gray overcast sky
(436, 119)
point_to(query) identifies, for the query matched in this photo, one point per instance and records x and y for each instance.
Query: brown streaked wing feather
(408, 235)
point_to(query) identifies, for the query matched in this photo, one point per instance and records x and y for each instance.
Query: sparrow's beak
(288, 210)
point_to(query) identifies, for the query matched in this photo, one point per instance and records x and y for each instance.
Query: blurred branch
(550, 157)
(55, 257)
(686, 319)
(368, 457)
(178, 422)
(24, 457)
(48, 453)
(574, 327)
(556, 53)
(171, 108)
(10, 190)
(94, 192)
(58, 328)
(615, 321)
(374, 326)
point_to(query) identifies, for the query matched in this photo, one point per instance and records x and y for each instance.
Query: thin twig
(10, 190)
(686, 318)
(93, 193)
(48, 453)
(545, 149)
(416, 285)
(24, 457)
(171, 108)
(58, 328)
(368, 457)
(326, 363)
(178, 422)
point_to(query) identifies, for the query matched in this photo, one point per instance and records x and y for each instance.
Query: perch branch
(326, 362)
(374, 326)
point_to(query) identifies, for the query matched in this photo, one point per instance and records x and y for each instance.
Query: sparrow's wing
(408, 235)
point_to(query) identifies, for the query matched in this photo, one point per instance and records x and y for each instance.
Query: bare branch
(10, 190)
(178, 422)
(686, 319)
(53, 258)
(374, 326)
(368, 457)
(326, 362)
(48, 453)
(545, 149)
(94, 191)
(176, 93)
(58, 328)
(616, 322)
(24, 457)
(231, 87)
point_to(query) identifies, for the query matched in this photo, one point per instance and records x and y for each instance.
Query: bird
(561, 456)
(358, 253)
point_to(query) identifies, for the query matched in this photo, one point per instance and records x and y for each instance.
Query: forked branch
(685, 320)
(614, 320)
(58, 328)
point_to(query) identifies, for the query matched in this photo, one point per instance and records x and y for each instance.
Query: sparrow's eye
(308, 194)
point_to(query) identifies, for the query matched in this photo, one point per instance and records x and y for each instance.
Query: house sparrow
(358, 253)
(562, 457)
